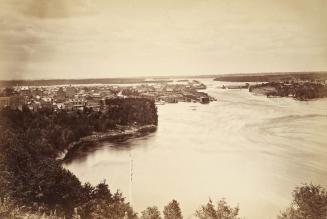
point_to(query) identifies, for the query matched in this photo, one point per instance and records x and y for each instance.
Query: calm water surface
(249, 149)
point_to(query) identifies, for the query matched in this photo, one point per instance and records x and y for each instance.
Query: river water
(249, 149)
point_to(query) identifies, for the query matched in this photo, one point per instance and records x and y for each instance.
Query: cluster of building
(179, 91)
(81, 97)
(56, 97)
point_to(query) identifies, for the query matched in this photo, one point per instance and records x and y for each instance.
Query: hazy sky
(103, 38)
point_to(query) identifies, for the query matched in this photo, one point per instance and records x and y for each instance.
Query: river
(249, 149)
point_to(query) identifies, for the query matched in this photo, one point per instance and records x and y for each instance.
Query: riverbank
(121, 133)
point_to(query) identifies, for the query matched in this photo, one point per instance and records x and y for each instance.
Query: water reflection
(124, 144)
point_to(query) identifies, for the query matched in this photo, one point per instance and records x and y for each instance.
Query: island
(300, 86)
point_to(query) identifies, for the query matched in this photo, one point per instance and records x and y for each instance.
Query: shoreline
(97, 137)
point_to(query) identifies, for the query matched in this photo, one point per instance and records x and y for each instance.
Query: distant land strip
(273, 77)
(51, 82)
(232, 77)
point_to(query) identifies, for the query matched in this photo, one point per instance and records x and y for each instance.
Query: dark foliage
(151, 213)
(223, 211)
(8, 91)
(309, 202)
(125, 111)
(172, 211)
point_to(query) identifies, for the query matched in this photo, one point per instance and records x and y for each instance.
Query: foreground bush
(151, 213)
(172, 211)
(223, 211)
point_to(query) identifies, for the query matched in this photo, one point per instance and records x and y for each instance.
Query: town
(93, 96)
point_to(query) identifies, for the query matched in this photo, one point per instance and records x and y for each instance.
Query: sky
(46, 39)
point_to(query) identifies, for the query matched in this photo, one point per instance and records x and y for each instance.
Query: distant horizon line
(173, 76)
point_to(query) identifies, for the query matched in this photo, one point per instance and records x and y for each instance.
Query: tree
(151, 213)
(102, 204)
(8, 91)
(223, 211)
(309, 202)
(172, 211)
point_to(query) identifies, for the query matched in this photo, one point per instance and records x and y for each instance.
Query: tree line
(309, 202)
